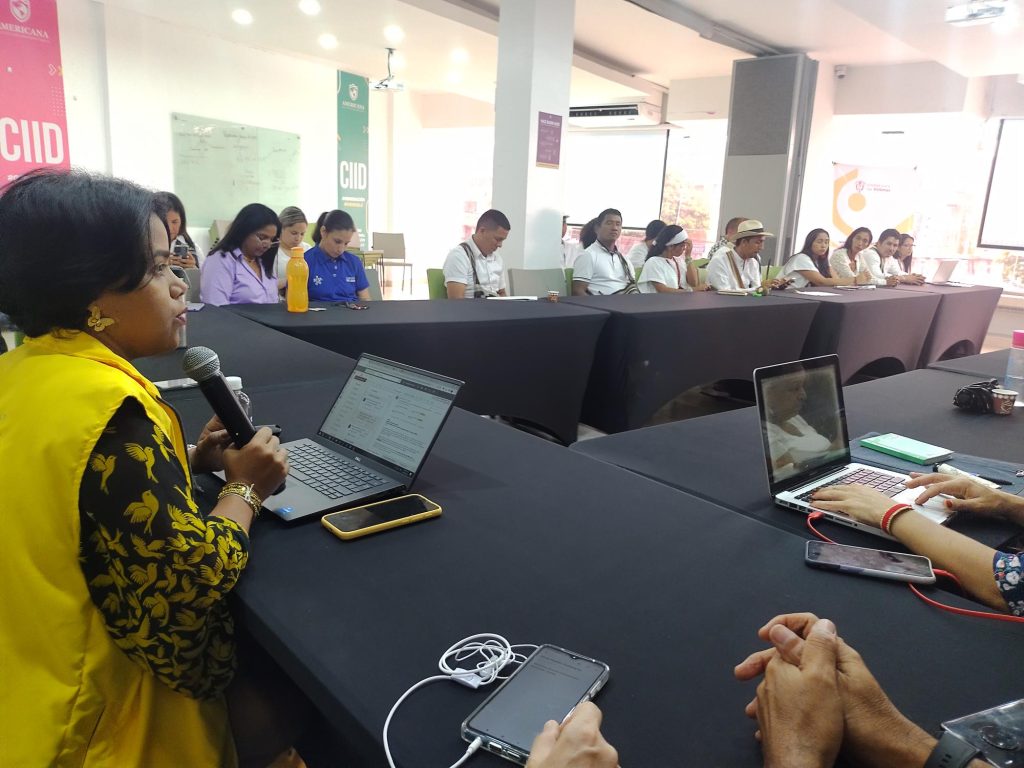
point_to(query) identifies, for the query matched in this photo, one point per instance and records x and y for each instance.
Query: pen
(990, 481)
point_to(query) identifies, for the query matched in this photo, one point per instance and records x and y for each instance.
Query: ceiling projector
(976, 12)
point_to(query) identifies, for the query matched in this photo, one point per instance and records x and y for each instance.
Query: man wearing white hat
(738, 268)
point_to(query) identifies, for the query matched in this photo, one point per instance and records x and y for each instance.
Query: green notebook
(906, 448)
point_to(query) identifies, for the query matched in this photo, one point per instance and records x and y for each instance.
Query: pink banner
(33, 123)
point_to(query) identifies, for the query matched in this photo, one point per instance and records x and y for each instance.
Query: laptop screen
(390, 412)
(803, 419)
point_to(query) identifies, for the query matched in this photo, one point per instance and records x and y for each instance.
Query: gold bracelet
(245, 493)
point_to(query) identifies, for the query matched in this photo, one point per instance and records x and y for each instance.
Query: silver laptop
(944, 272)
(372, 442)
(807, 443)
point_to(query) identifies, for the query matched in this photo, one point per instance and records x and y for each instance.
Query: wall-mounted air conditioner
(616, 115)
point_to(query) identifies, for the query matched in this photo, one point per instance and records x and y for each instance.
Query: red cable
(938, 572)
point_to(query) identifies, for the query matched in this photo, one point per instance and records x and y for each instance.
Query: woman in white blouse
(810, 266)
(792, 440)
(843, 261)
(662, 272)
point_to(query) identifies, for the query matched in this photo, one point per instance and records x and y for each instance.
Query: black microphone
(203, 365)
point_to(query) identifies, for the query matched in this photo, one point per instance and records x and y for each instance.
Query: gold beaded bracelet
(245, 493)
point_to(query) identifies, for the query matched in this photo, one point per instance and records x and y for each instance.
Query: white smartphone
(549, 685)
(169, 384)
(897, 566)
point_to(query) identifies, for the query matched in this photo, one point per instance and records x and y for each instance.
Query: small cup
(1002, 401)
(552, 295)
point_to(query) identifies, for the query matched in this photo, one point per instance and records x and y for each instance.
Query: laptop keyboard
(881, 482)
(328, 472)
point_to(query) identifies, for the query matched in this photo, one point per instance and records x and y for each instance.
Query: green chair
(310, 229)
(568, 281)
(702, 274)
(771, 272)
(698, 263)
(435, 284)
(636, 272)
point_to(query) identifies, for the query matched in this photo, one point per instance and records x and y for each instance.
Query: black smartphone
(547, 686)
(380, 516)
(354, 305)
(897, 566)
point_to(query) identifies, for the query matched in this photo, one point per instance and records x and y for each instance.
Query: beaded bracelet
(245, 493)
(891, 514)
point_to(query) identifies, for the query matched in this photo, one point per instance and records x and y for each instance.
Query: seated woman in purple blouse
(241, 268)
(334, 273)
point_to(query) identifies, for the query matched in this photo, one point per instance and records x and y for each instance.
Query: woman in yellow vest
(116, 644)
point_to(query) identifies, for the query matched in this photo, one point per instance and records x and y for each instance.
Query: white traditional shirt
(839, 263)
(668, 272)
(722, 276)
(791, 269)
(870, 261)
(638, 254)
(490, 270)
(602, 270)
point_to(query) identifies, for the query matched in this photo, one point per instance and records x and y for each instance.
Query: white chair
(392, 245)
(375, 293)
(536, 282)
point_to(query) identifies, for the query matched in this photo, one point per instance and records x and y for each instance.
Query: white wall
(83, 53)
(816, 200)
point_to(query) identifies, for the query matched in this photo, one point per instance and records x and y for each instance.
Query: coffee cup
(1002, 401)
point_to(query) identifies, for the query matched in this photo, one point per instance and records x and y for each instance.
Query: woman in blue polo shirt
(334, 273)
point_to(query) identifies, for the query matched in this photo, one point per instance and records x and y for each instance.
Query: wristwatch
(951, 752)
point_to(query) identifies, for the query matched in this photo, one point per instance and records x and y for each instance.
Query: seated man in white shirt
(638, 253)
(570, 248)
(474, 269)
(878, 261)
(602, 269)
(738, 268)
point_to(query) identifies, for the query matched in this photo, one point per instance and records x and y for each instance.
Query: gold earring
(97, 322)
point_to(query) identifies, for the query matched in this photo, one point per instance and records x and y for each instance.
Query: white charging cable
(473, 661)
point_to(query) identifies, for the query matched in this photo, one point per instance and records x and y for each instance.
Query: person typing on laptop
(992, 577)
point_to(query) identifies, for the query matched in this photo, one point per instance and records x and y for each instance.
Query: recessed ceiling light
(398, 62)
(328, 41)
(309, 7)
(394, 34)
(241, 16)
(454, 77)
(459, 56)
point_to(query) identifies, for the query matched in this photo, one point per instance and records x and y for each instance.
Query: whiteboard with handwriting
(220, 167)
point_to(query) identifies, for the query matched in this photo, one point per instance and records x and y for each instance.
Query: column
(535, 50)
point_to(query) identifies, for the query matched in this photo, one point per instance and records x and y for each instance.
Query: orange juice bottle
(297, 272)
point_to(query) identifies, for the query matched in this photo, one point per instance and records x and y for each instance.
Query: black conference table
(961, 320)
(247, 349)
(863, 327)
(655, 346)
(988, 365)
(721, 457)
(494, 346)
(541, 544)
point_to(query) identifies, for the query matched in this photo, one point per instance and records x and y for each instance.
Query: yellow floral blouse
(157, 569)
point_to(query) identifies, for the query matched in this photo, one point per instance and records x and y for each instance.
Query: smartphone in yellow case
(380, 516)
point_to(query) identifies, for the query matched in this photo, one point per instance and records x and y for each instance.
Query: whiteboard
(220, 167)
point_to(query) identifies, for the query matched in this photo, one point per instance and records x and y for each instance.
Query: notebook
(372, 443)
(944, 272)
(807, 442)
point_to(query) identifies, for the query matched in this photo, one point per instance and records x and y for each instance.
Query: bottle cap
(234, 383)
(299, 249)
(1018, 338)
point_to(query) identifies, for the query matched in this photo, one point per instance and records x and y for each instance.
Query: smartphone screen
(547, 686)
(176, 384)
(350, 520)
(870, 562)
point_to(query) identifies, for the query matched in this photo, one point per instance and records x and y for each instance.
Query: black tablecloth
(494, 346)
(544, 545)
(990, 365)
(655, 346)
(721, 457)
(865, 327)
(961, 321)
(247, 349)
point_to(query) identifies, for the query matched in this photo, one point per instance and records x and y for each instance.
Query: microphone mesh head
(200, 363)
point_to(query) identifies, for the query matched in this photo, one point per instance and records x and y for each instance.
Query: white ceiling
(642, 47)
